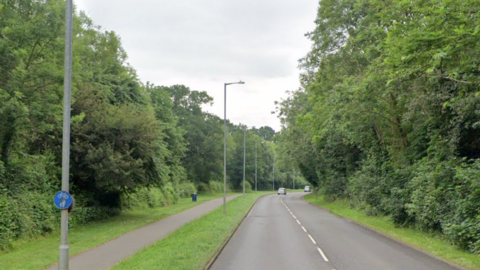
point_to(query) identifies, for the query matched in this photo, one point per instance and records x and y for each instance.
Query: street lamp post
(225, 145)
(244, 132)
(255, 166)
(293, 177)
(273, 171)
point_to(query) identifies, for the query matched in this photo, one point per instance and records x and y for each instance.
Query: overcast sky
(206, 43)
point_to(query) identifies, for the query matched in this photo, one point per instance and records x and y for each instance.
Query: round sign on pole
(63, 200)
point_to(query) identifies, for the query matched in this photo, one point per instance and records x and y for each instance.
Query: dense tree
(388, 113)
(131, 143)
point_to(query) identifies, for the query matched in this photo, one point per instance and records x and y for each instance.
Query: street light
(225, 144)
(273, 170)
(255, 166)
(244, 131)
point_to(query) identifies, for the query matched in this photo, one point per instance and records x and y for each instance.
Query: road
(286, 232)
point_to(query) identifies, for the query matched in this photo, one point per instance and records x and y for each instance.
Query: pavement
(110, 253)
(286, 232)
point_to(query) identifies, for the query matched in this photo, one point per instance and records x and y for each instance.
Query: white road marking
(305, 230)
(323, 254)
(313, 240)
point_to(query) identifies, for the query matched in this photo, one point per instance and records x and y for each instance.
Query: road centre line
(313, 240)
(305, 230)
(323, 255)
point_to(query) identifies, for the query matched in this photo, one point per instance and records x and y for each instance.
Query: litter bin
(194, 197)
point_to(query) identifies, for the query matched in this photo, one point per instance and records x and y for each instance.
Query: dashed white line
(313, 240)
(323, 254)
(305, 230)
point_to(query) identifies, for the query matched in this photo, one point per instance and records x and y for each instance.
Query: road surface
(286, 232)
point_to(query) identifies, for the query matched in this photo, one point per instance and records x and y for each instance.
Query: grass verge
(43, 251)
(428, 242)
(193, 245)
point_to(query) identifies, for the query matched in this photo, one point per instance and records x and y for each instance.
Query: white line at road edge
(305, 230)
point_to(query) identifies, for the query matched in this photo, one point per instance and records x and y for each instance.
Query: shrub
(185, 189)
(215, 186)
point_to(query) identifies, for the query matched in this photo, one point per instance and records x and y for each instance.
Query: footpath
(110, 253)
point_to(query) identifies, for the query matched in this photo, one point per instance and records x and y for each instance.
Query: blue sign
(63, 200)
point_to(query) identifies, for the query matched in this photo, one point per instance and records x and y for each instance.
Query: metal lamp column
(225, 145)
(255, 166)
(273, 171)
(244, 131)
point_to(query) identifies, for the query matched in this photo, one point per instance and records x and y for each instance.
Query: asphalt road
(286, 232)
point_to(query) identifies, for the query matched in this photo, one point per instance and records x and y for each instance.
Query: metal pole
(293, 179)
(225, 144)
(255, 166)
(244, 132)
(273, 181)
(64, 249)
(225, 149)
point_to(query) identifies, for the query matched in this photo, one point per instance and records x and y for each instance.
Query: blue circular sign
(63, 200)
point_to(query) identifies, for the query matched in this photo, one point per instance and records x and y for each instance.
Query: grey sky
(205, 43)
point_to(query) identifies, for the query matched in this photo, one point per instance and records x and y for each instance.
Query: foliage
(132, 144)
(388, 112)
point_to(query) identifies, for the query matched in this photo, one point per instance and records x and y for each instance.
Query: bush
(185, 190)
(215, 186)
(150, 197)
(430, 201)
(84, 215)
(27, 215)
(203, 188)
(248, 186)
(9, 225)
(170, 195)
(462, 224)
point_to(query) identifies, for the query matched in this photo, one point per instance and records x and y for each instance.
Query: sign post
(63, 201)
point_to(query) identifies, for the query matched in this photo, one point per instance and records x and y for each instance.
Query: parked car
(307, 189)
(282, 191)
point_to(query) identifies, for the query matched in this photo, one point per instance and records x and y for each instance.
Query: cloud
(205, 43)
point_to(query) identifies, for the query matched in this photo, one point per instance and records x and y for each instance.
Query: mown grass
(429, 242)
(193, 245)
(42, 252)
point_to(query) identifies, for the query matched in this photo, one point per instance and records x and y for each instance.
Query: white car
(307, 189)
(282, 191)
